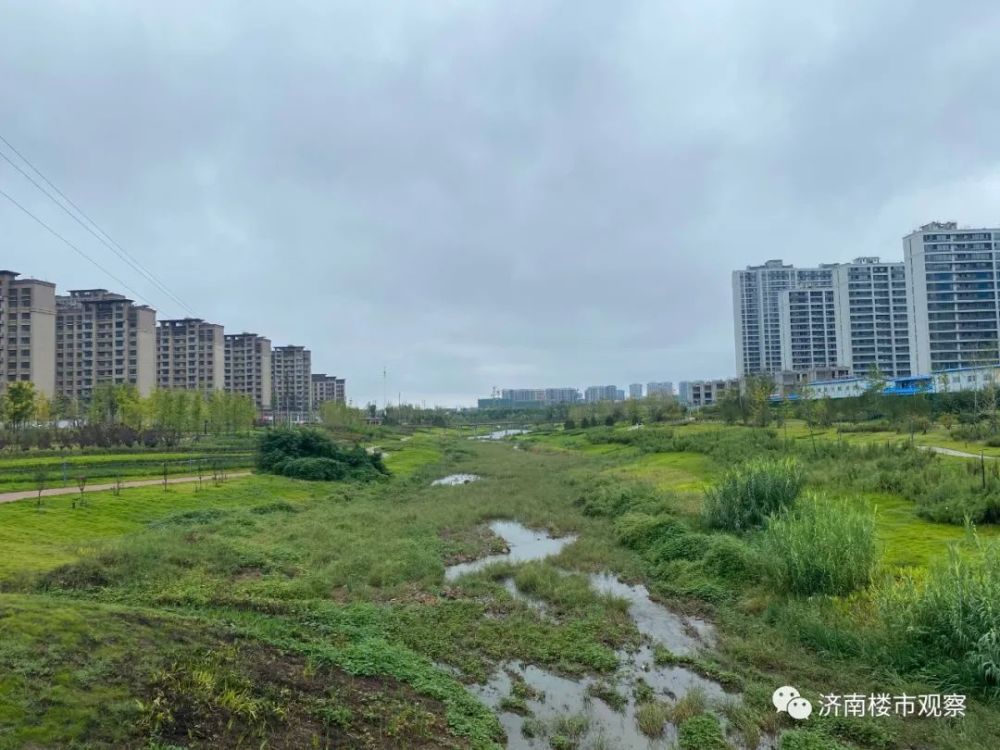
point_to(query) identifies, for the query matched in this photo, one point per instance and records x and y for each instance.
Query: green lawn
(272, 612)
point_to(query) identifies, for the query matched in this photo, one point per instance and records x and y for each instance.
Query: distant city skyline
(465, 194)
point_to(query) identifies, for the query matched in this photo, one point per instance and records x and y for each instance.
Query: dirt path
(953, 452)
(9, 497)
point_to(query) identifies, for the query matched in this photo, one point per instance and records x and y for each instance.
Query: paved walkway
(9, 497)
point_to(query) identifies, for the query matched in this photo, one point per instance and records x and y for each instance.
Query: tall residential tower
(28, 324)
(190, 353)
(872, 317)
(757, 310)
(248, 367)
(103, 338)
(953, 295)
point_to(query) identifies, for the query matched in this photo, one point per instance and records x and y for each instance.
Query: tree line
(162, 417)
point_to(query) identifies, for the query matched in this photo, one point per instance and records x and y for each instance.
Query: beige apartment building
(103, 338)
(327, 388)
(248, 367)
(291, 379)
(191, 354)
(28, 322)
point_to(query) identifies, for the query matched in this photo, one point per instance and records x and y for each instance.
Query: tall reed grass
(951, 613)
(821, 547)
(749, 493)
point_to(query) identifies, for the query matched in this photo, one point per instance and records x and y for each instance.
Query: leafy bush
(821, 547)
(749, 493)
(314, 469)
(307, 453)
(953, 614)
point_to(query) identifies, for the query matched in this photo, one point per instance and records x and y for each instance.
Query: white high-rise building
(808, 329)
(757, 310)
(684, 391)
(954, 296)
(663, 388)
(873, 327)
(635, 390)
(597, 393)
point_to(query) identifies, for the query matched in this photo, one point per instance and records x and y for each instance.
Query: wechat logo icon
(787, 699)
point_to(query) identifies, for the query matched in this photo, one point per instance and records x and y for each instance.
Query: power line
(74, 247)
(102, 236)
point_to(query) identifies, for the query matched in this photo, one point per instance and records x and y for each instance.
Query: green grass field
(279, 613)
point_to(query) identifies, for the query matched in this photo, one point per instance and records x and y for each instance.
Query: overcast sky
(485, 193)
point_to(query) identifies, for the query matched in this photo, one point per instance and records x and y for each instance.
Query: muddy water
(454, 479)
(555, 696)
(524, 545)
(682, 635)
(499, 435)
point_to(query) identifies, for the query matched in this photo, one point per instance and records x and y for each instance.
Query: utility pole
(385, 399)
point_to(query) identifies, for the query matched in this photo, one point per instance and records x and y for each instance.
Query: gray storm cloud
(523, 193)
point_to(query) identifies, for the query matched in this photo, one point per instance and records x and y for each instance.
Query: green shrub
(702, 732)
(613, 499)
(640, 530)
(308, 453)
(747, 494)
(314, 469)
(951, 615)
(804, 739)
(681, 546)
(821, 547)
(730, 558)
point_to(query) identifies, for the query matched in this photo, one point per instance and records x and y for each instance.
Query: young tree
(874, 396)
(131, 406)
(19, 403)
(634, 412)
(43, 409)
(758, 394)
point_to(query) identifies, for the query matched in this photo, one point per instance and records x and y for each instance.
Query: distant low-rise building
(793, 381)
(708, 392)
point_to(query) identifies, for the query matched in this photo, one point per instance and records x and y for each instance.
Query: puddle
(550, 698)
(454, 479)
(536, 604)
(682, 635)
(499, 434)
(524, 544)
